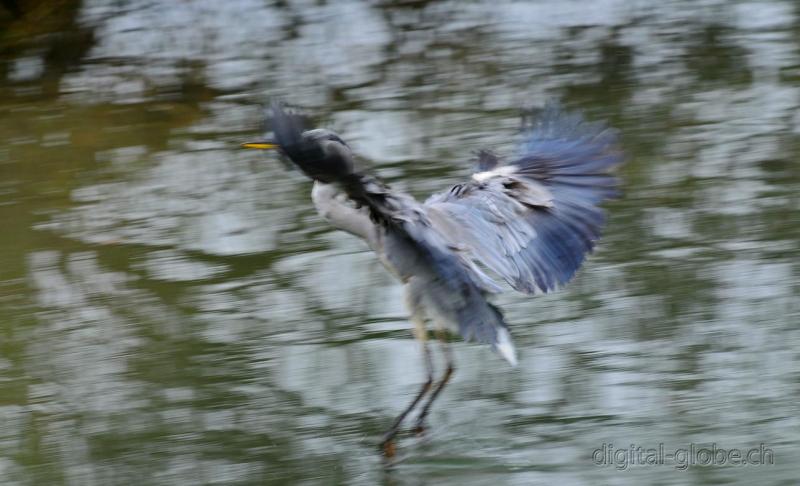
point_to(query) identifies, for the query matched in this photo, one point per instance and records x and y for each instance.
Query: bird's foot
(387, 444)
(388, 448)
(420, 428)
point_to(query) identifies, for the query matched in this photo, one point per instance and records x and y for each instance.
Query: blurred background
(173, 311)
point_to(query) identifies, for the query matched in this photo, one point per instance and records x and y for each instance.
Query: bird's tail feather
(505, 347)
(502, 342)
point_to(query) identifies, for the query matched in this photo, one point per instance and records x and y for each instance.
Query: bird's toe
(388, 448)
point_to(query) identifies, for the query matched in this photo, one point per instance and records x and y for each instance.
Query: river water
(173, 311)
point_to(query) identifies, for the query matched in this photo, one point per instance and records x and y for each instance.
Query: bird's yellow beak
(260, 145)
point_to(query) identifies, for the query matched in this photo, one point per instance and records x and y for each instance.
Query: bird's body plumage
(440, 282)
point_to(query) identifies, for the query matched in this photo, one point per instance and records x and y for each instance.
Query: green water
(173, 311)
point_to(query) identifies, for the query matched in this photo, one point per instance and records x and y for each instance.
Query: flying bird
(530, 220)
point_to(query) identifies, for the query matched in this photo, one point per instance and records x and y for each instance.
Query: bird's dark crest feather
(486, 160)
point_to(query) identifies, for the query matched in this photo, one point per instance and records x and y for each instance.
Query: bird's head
(321, 154)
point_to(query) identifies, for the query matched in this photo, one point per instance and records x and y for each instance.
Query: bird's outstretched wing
(533, 220)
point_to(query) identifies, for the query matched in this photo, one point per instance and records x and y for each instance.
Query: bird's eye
(336, 138)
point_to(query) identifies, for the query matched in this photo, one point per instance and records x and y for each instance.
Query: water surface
(173, 311)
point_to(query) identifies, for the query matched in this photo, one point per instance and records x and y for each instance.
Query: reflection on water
(172, 311)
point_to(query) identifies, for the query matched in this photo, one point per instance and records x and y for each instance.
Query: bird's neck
(335, 205)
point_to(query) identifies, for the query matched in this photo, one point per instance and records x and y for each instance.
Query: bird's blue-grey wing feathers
(533, 220)
(454, 291)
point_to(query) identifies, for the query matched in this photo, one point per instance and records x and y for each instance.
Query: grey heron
(529, 220)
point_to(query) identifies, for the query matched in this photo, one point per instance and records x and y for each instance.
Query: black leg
(387, 444)
(420, 427)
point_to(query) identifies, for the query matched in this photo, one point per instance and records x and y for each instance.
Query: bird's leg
(448, 355)
(387, 444)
